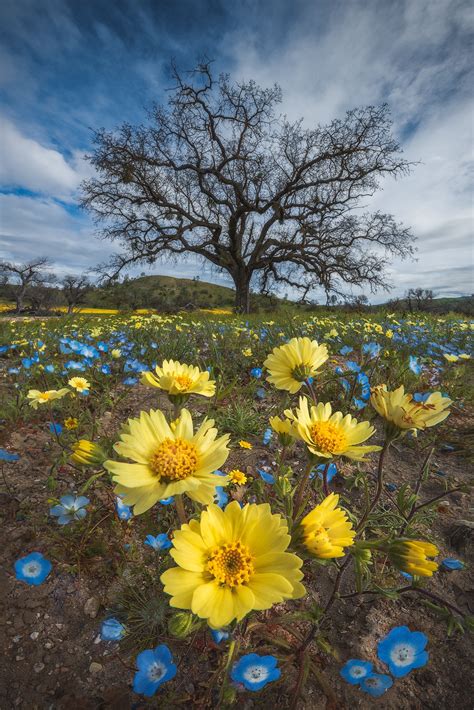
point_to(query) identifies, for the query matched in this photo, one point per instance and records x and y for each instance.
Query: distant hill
(460, 304)
(169, 293)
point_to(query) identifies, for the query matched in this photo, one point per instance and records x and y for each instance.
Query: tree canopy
(217, 173)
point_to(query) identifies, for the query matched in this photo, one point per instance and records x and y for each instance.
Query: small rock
(34, 635)
(38, 667)
(91, 607)
(95, 667)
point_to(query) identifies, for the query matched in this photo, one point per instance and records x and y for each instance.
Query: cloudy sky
(68, 67)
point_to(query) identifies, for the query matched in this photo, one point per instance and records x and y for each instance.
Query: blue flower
(267, 477)
(155, 667)
(123, 511)
(261, 394)
(55, 428)
(371, 349)
(376, 684)
(256, 372)
(345, 350)
(354, 671)
(254, 671)
(220, 496)
(219, 635)
(112, 630)
(353, 366)
(69, 509)
(403, 650)
(7, 456)
(158, 543)
(267, 436)
(130, 381)
(452, 563)
(32, 569)
(167, 501)
(332, 470)
(414, 365)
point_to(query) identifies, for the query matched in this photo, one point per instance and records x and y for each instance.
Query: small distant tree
(44, 297)
(74, 289)
(220, 175)
(21, 278)
(419, 299)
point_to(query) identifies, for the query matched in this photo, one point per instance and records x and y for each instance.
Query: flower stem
(178, 501)
(301, 488)
(378, 491)
(325, 479)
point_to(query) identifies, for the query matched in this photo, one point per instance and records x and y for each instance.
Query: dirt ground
(52, 656)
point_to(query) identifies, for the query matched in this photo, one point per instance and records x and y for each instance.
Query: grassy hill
(169, 293)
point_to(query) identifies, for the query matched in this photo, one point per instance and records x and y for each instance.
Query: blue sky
(67, 67)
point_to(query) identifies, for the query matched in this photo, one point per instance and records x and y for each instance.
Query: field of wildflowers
(204, 510)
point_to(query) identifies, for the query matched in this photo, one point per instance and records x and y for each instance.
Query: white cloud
(42, 227)
(28, 164)
(413, 55)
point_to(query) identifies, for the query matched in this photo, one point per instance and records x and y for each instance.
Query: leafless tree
(218, 174)
(419, 298)
(23, 277)
(74, 290)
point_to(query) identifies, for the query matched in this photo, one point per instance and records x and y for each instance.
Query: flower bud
(181, 624)
(411, 556)
(86, 453)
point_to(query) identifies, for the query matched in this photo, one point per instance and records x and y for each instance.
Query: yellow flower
(404, 413)
(80, 384)
(247, 352)
(71, 423)
(465, 356)
(450, 358)
(245, 444)
(38, 397)
(237, 477)
(116, 353)
(86, 453)
(167, 461)
(180, 380)
(327, 530)
(389, 333)
(231, 562)
(329, 435)
(286, 430)
(291, 364)
(412, 556)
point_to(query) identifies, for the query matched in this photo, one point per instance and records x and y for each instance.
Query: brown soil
(49, 642)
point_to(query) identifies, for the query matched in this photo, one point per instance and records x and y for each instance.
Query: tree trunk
(20, 296)
(242, 291)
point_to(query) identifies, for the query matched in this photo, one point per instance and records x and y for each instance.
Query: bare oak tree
(218, 174)
(74, 289)
(23, 277)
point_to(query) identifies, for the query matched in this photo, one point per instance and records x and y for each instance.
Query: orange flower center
(174, 459)
(184, 382)
(327, 437)
(231, 564)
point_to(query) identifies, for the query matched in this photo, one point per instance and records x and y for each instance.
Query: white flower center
(156, 671)
(255, 673)
(32, 569)
(402, 654)
(357, 671)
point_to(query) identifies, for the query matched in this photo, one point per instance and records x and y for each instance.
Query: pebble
(95, 667)
(34, 635)
(38, 667)
(91, 607)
